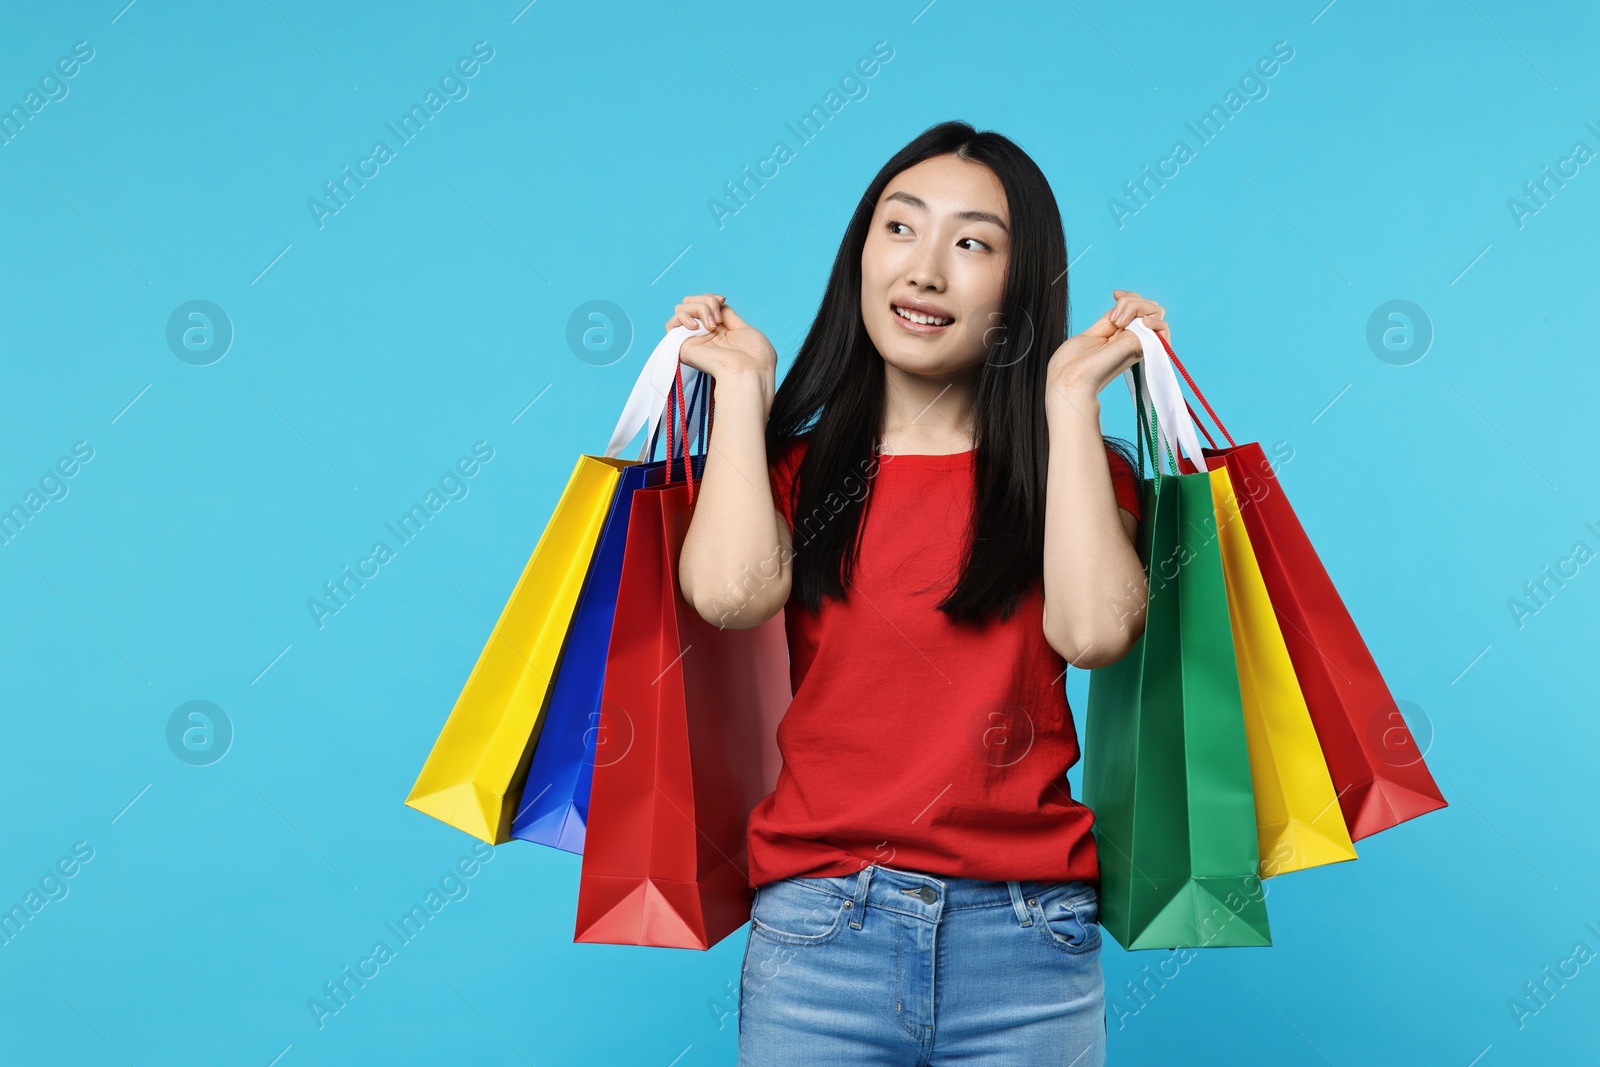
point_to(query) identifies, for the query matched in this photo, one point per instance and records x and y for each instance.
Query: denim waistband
(926, 896)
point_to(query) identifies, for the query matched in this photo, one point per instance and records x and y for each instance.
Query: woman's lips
(918, 327)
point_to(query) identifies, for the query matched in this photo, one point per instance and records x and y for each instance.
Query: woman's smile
(919, 318)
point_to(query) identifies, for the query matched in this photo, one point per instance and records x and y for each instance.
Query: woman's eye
(974, 240)
(892, 224)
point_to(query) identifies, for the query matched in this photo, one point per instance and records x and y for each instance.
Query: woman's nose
(924, 273)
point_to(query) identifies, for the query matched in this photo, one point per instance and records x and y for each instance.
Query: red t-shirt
(911, 743)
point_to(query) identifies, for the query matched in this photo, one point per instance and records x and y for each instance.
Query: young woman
(948, 529)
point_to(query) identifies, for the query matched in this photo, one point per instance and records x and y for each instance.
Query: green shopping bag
(1166, 761)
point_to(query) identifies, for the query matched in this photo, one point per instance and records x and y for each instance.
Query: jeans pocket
(789, 913)
(1068, 915)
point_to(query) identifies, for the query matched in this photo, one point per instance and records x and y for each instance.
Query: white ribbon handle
(648, 400)
(1165, 397)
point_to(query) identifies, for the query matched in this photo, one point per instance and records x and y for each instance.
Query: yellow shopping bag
(1299, 823)
(473, 778)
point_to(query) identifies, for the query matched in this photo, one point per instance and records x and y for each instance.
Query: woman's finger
(699, 309)
(696, 306)
(1135, 355)
(1128, 310)
(1102, 327)
(684, 312)
(1129, 305)
(1119, 306)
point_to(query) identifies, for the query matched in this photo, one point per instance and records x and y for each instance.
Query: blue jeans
(897, 967)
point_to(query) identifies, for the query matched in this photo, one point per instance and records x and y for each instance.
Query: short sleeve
(781, 469)
(1125, 482)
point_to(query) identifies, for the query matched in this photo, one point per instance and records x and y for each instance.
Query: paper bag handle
(648, 400)
(1163, 397)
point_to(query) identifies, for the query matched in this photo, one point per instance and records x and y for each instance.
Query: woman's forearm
(1094, 585)
(730, 568)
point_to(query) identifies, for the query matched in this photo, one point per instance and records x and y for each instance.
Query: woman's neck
(928, 415)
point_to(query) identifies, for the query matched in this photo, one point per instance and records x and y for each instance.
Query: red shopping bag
(689, 717)
(1374, 761)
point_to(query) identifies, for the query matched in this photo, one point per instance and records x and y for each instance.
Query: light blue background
(431, 312)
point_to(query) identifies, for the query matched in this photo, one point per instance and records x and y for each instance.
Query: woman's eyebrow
(973, 216)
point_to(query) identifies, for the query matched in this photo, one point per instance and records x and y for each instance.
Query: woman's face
(937, 249)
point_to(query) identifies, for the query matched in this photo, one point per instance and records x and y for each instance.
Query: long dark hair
(835, 390)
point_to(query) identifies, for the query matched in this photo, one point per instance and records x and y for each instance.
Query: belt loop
(863, 880)
(1023, 916)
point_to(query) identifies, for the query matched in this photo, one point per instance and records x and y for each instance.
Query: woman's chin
(926, 361)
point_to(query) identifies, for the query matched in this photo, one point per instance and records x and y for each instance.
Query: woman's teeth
(926, 320)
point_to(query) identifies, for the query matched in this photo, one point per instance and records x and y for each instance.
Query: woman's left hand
(1086, 363)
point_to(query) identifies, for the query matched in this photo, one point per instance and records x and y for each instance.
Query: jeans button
(929, 894)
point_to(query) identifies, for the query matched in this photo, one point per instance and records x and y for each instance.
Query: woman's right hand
(731, 348)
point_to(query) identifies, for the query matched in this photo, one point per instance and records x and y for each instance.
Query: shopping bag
(1298, 820)
(688, 746)
(554, 807)
(1374, 763)
(1166, 760)
(473, 776)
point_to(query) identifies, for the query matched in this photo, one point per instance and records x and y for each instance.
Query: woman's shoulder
(1125, 479)
(783, 460)
(788, 451)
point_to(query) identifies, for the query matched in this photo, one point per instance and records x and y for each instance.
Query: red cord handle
(1179, 364)
(1200, 425)
(683, 424)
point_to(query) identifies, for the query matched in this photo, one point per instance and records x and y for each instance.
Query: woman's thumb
(730, 318)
